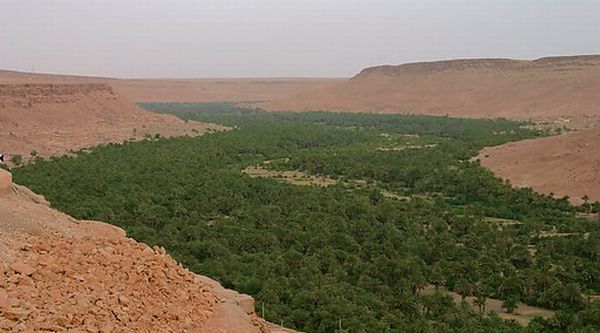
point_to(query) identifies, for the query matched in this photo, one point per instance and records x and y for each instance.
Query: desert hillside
(59, 274)
(54, 118)
(564, 165)
(546, 88)
(185, 90)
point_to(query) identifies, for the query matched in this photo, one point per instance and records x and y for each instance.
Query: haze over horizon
(275, 38)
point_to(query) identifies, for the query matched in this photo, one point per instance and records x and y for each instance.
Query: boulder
(4, 301)
(246, 302)
(22, 269)
(5, 182)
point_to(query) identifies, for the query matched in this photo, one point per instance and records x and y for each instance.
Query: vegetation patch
(316, 256)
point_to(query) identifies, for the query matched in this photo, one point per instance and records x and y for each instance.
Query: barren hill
(185, 90)
(545, 88)
(564, 165)
(54, 118)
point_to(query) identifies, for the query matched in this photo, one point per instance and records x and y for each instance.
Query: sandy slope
(58, 274)
(564, 165)
(185, 90)
(54, 118)
(478, 88)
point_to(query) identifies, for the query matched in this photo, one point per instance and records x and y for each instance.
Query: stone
(245, 302)
(5, 182)
(4, 302)
(22, 269)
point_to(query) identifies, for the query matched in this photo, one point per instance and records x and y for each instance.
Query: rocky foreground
(60, 274)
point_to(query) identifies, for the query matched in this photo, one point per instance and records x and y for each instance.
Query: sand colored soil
(546, 88)
(185, 90)
(59, 274)
(53, 119)
(567, 164)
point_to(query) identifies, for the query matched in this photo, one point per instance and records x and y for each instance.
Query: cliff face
(546, 88)
(58, 274)
(54, 118)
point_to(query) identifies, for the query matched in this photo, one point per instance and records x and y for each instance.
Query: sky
(282, 38)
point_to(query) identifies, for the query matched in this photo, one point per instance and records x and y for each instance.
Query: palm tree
(479, 301)
(463, 288)
(510, 303)
(585, 199)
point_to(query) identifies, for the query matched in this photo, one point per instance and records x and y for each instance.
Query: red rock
(16, 314)
(4, 302)
(5, 182)
(40, 247)
(22, 269)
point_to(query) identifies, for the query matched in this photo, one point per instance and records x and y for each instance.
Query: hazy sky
(282, 38)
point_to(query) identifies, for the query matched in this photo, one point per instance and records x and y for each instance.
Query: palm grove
(409, 211)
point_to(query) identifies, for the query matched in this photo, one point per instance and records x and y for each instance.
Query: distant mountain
(184, 90)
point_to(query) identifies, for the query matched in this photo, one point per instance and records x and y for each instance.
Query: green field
(404, 209)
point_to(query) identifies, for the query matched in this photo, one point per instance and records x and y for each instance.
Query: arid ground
(567, 164)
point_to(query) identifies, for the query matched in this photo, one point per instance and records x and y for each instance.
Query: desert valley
(46, 116)
(299, 166)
